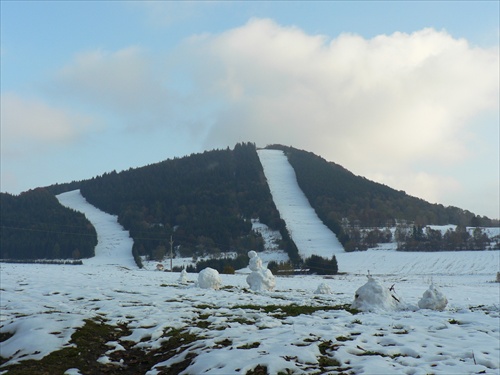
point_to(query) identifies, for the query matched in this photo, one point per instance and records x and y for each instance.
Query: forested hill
(336, 193)
(342, 199)
(205, 203)
(35, 226)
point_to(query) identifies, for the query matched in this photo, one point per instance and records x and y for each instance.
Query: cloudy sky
(403, 93)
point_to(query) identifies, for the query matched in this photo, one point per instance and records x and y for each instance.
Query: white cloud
(123, 83)
(31, 124)
(380, 105)
(385, 108)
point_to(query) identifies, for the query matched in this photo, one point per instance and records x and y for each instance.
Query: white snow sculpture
(209, 279)
(261, 278)
(323, 288)
(183, 277)
(255, 263)
(373, 296)
(433, 299)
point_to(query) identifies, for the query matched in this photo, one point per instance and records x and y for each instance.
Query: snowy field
(42, 305)
(291, 330)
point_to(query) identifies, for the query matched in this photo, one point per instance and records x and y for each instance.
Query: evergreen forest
(34, 225)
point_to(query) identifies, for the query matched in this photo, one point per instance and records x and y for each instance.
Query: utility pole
(171, 253)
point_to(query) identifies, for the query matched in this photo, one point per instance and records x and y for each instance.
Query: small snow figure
(373, 296)
(209, 279)
(323, 289)
(255, 263)
(261, 278)
(433, 299)
(183, 277)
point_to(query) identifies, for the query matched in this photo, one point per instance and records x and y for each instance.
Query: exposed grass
(374, 353)
(258, 370)
(249, 346)
(344, 338)
(281, 311)
(89, 344)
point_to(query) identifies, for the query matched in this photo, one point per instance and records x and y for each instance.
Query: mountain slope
(308, 232)
(115, 245)
(341, 198)
(204, 202)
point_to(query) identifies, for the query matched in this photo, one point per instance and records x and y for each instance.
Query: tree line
(419, 238)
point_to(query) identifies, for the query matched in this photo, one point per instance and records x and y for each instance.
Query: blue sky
(404, 93)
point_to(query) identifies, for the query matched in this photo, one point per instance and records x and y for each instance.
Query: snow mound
(433, 299)
(323, 288)
(209, 278)
(261, 279)
(373, 296)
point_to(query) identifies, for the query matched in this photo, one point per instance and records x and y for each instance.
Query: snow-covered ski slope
(114, 245)
(311, 236)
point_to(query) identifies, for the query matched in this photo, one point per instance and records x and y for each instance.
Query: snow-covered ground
(308, 232)
(43, 305)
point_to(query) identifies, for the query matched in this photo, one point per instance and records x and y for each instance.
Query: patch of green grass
(281, 311)
(202, 324)
(241, 320)
(325, 361)
(258, 370)
(327, 346)
(454, 321)
(88, 344)
(344, 338)
(374, 353)
(249, 346)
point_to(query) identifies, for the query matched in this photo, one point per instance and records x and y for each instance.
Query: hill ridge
(207, 201)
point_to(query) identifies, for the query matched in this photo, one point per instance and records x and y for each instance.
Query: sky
(403, 93)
